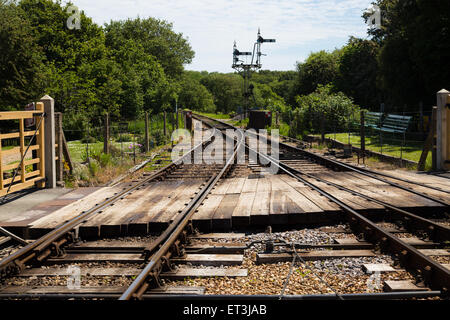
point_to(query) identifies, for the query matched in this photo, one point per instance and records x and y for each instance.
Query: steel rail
(436, 230)
(171, 235)
(432, 272)
(435, 274)
(371, 174)
(43, 247)
(191, 297)
(397, 178)
(365, 172)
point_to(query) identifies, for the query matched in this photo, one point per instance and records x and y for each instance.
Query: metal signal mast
(246, 69)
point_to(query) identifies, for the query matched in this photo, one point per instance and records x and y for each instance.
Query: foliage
(322, 110)
(415, 50)
(21, 66)
(226, 90)
(195, 96)
(357, 74)
(157, 39)
(320, 68)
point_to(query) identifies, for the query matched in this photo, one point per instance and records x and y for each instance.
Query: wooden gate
(23, 166)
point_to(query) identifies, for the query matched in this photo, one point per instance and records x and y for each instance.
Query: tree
(358, 69)
(195, 96)
(157, 38)
(226, 90)
(415, 49)
(144, 84)
(21, 66)
(320, 68)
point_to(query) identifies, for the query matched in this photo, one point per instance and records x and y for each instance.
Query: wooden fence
(29, 167)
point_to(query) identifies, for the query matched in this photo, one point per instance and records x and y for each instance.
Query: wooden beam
(17, 115)
(429, 143)
(22, 149)
(41, 143)
(21, 186)
(1, 166)
(67, 153)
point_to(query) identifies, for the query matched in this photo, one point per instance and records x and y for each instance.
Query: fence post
(322, 128)
(443, 100)
(147, 142)
(59, 141)
(41, 142)
(165, 125)
(49, 125)
(434, 139)
(106, 134)
(363, 136)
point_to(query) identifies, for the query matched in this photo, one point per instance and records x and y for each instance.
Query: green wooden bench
(395, 124)
(373, 120)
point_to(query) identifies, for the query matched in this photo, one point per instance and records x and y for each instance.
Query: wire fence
(127, 138)
(407, 144)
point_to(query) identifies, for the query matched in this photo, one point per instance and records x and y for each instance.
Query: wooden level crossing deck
(241, 201)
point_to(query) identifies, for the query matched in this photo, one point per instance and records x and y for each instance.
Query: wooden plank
(377, 267)
(98, 290)
(99, 257)
(250, 185)
(402, 286)
(180, 202)
(219, 236)
(202, 218)
(224, 212)
(242, 211)
(435, 252)
(222, 187)
(126, 211)
(115, 214)
(211, 259)
(281, 206)
(100, 272)
(17, 115)
(72, 210)
(236, 186)
(182, 273)
(261, 207)
(312, 196)
(264, 186)
(301, 201)
(21, 186)
(225, 248)
(313, 255)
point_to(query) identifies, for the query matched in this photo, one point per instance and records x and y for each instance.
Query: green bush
(125, 138)
(322, 108)
(105, 160)
(88, 139)
(93, 167)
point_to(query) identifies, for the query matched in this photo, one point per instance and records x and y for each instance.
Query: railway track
(141, 268)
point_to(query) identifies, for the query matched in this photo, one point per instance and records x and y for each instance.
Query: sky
(211, 26)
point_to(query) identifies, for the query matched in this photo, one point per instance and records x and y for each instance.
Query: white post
(50, 162)
(443, 99)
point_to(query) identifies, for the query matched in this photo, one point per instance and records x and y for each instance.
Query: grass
(411, 151)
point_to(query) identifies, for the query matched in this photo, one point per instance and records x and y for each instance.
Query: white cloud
(299, 26)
